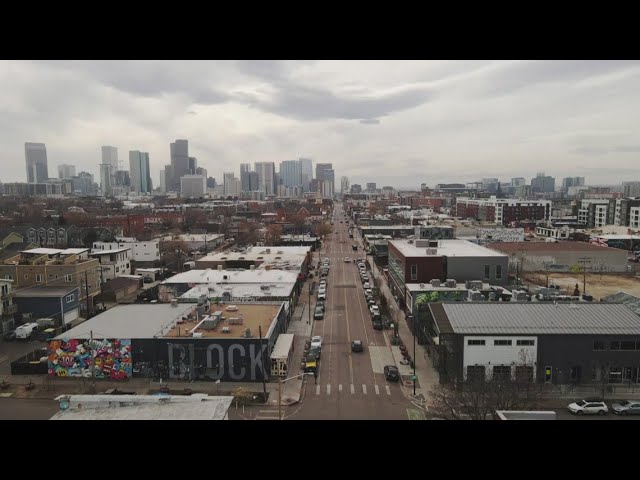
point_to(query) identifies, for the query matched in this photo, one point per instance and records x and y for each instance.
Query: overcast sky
(398, 123)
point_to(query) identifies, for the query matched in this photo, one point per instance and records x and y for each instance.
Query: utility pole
(93, 362)
(264, 372)
(86, 286)
(309, 306)
(583, 261)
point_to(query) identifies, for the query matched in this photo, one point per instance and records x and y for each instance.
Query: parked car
(319, 313)
(357, 346)
(367, 285)
(316, 341)
(376, 321)
(374, 310)
(391, 373)
(322, 295)
(626, 407)
(588, 407)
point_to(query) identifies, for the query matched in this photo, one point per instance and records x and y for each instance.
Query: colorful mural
(77, 357)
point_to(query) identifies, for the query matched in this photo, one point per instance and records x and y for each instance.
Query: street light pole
(280, 382)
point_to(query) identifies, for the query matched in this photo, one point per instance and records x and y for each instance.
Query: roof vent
(435, 282)
(247, 333)
(219, 267)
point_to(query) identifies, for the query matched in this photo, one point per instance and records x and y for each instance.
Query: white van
(24, 332)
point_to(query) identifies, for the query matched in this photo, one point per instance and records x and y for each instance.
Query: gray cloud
(370, 121)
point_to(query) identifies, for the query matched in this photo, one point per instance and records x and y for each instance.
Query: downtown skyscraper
(140, 176)
(36, 160)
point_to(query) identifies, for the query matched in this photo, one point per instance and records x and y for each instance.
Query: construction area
(598, 285)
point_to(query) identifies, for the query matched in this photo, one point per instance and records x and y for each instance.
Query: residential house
(60, 303)
(113, 263)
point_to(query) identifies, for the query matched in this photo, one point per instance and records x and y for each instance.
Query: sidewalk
(427, 376)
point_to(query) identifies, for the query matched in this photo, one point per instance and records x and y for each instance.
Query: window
(476, 372)
(627, 345)
(67, 278)
(8, 276)
(475, 342)
(26, 277)
(502, 372)
(127, 265)
(487, 272)
(598, 345)
(414, 272)
(117, 269)
(525, 342)
(39, 277)
(502, 342)
(498, 272)
(615, 345)
(69, 298)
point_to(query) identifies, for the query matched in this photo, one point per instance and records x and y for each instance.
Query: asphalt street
(349, 385)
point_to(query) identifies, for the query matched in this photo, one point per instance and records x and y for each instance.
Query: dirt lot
(597, 285)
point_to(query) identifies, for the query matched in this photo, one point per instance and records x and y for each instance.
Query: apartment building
(113, 263)
(140, 251)
(503, 211)
(55, 267)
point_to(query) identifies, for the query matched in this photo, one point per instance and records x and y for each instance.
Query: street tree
(173, 254)
(274, 232)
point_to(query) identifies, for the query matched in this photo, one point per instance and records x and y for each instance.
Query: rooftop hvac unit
(451, 283)
(422, 285)
(432, 251)
(268, 250)
(174, 302)
(492, 296)
(422, 243)
(264, 287)
(433, 243)
(476, 284)
(247, 333)
(475, 295)
(197, 335)
(217, 315)
(226, 329)
(219, 267)
(252, 267)
(518, 296)
(467, 284)
(435, 282)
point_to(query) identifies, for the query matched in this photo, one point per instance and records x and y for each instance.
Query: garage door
(71, 316)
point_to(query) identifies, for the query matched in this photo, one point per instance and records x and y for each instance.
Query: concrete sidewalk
(427, 376)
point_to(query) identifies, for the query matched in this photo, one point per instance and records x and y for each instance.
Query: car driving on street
(356, 346)
(391, 373)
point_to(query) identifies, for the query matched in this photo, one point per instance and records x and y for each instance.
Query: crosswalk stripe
(340, 388)
(353, 389)
(388, 389)
(328, 389)
(377, 390)
(318, 390)
(364, 389)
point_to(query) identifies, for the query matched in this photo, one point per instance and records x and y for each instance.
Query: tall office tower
(110, 156)
(179, 164)
(121, 178)
(193, 165)
(327, 188)
(201, 171)
(105, 179)
(371, 187)
(193, 186)
(66, 171)
(344, 185)
(83, 184)
(290, 173)
(265, 171)
(139, 172)
(518, 181)
(245, 168)
(306, 169)
(36, 158)
(230, 183)
(543, 184)
(320, 168)
(572, 182)
(330, 176)
(253, 182)
(163, 184)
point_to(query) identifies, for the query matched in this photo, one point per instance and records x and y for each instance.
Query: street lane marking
(340, 387)
(364, 389)
(377, 390)
(328, 389)
(353, 389)
(388, 389)
(317, 389)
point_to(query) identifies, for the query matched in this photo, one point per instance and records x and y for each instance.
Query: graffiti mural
(86, 358)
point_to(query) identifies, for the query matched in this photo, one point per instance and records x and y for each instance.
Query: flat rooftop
(145, 407)
(388, 227)
(253, 290)
(259, 276)
(267, 254)
(448, 248)
(517, 247)
(130, 321)
(253, 316)
(45, 291)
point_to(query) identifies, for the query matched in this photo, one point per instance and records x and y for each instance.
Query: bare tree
(173, 253)
(323, 229)
(274, 232)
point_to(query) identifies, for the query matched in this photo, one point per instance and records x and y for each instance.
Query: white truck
(24, 332)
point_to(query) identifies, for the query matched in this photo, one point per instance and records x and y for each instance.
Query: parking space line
(377, 390)
(388, 389)
(353, 389)
(328, 389)
(364, 389)
(340, 388)
(317, 389)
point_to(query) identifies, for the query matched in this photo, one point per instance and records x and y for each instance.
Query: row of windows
(503, 342)
(617, 345)
(487, 272)
(499, 372)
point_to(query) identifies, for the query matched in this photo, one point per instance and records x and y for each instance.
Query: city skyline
(415, 120)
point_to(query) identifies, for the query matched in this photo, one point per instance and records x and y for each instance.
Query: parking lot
(10, 351)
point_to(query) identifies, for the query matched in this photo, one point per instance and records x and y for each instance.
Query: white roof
(43, 251)
(145, 407)
(618, 237)
(241, 276)
(449, 248)
(254, 290)
(282, 348)
(129, 321)
(297, 254)
(74, 251)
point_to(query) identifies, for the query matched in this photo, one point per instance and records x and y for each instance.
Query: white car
(374, 310)
(322, 295)
(316, 341)
(367, 285)
(347, 260)
(588, 407)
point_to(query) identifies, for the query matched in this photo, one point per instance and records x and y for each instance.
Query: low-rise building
(277, 258)
(503, 211)
(113, 263)
(140, 251)
(7, 306)
(581, 343)
(60, 303)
